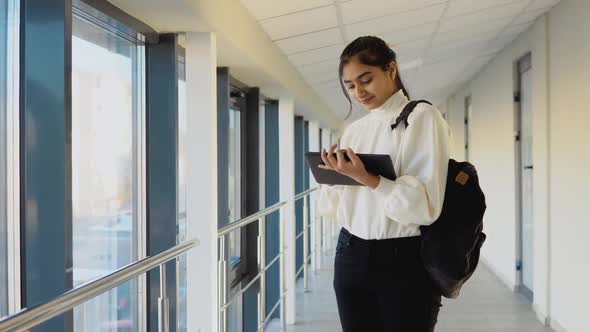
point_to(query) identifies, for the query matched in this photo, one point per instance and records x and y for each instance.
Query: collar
(393, 103)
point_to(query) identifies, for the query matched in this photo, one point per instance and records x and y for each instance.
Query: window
(107, 104)
(8, 105)
(234, 179)
(182, 221)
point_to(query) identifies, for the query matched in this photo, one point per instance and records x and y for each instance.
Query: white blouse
(420, 155)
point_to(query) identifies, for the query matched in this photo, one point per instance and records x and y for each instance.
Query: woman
(379, 279)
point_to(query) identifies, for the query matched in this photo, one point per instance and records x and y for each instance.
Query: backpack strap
(403, 117)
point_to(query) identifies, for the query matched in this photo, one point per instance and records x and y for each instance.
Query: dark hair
(371, 51)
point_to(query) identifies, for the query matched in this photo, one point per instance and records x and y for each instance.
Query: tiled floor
(485, 304)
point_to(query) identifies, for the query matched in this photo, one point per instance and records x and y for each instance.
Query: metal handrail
(262, 213)
(223, 302)
(36, 315)
(31, 317)
(249, 219)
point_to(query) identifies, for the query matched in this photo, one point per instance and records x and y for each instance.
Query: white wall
(569, 97)
(560, 84)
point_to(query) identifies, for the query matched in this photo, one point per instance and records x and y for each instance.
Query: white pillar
(334, 225)
(201, 80)
(287, 191)
(325, 223)
(314, 146)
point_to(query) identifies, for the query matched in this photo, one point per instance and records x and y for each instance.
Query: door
(525, 142)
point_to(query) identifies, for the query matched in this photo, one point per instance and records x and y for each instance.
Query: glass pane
(234, 180)
(3, 135)
(111, 297)
(182, 221)
(104, 113)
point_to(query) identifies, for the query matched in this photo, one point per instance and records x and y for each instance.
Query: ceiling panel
(444, 70)
(490, 28)
(322, 66)
(410, 50)
(317, 55)
(333, 86)
(538, 4)
(441, 41)
(394, 22)
(440, 44)
(263, 9)
(462, 7)
(529, 16)
(358, 10)
(310, 41)
(517, 29)
(460, 48)
(410, 34)
(301, 22)
(318, 78)
(482, 17)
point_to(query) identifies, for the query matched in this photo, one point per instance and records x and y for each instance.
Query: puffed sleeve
(417, 195)
(329, 200)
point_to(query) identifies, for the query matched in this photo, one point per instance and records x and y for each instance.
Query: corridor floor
(485, 304)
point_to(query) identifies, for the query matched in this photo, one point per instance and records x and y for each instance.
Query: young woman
(379, 279)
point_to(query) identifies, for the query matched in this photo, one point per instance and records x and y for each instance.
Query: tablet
(377, 164)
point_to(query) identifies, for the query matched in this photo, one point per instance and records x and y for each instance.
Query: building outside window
(234, 181)
(107, 103)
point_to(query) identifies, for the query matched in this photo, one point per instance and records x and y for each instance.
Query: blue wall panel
(272, 196)
(162, 147)
(46, 178)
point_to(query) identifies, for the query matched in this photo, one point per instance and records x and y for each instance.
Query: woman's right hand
(330, 163)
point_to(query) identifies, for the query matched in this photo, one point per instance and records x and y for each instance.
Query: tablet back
(377, 164)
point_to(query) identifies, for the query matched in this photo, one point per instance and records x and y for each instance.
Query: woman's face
(370, 86)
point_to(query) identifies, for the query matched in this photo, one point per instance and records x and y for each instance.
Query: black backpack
(450, 246)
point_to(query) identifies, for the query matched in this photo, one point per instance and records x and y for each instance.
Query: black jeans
(381, 285)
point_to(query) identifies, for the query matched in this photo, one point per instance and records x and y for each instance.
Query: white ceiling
(441, 44)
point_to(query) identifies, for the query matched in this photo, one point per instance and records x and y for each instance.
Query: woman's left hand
(355, 169)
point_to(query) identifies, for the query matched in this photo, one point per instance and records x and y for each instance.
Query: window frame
(181, 76)
(12, 157)
(239, 270)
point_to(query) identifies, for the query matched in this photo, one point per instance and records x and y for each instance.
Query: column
(201, 65)
(287, 191)
(314, 146)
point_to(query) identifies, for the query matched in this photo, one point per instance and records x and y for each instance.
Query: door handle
(528, 167)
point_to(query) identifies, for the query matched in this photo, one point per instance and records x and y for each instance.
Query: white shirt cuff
(385, 187)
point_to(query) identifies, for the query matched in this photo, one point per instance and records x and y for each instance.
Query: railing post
(261, 269)
(313, 233)
(305, 242)
(163, 305)
(282, 288)
(221, 311)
